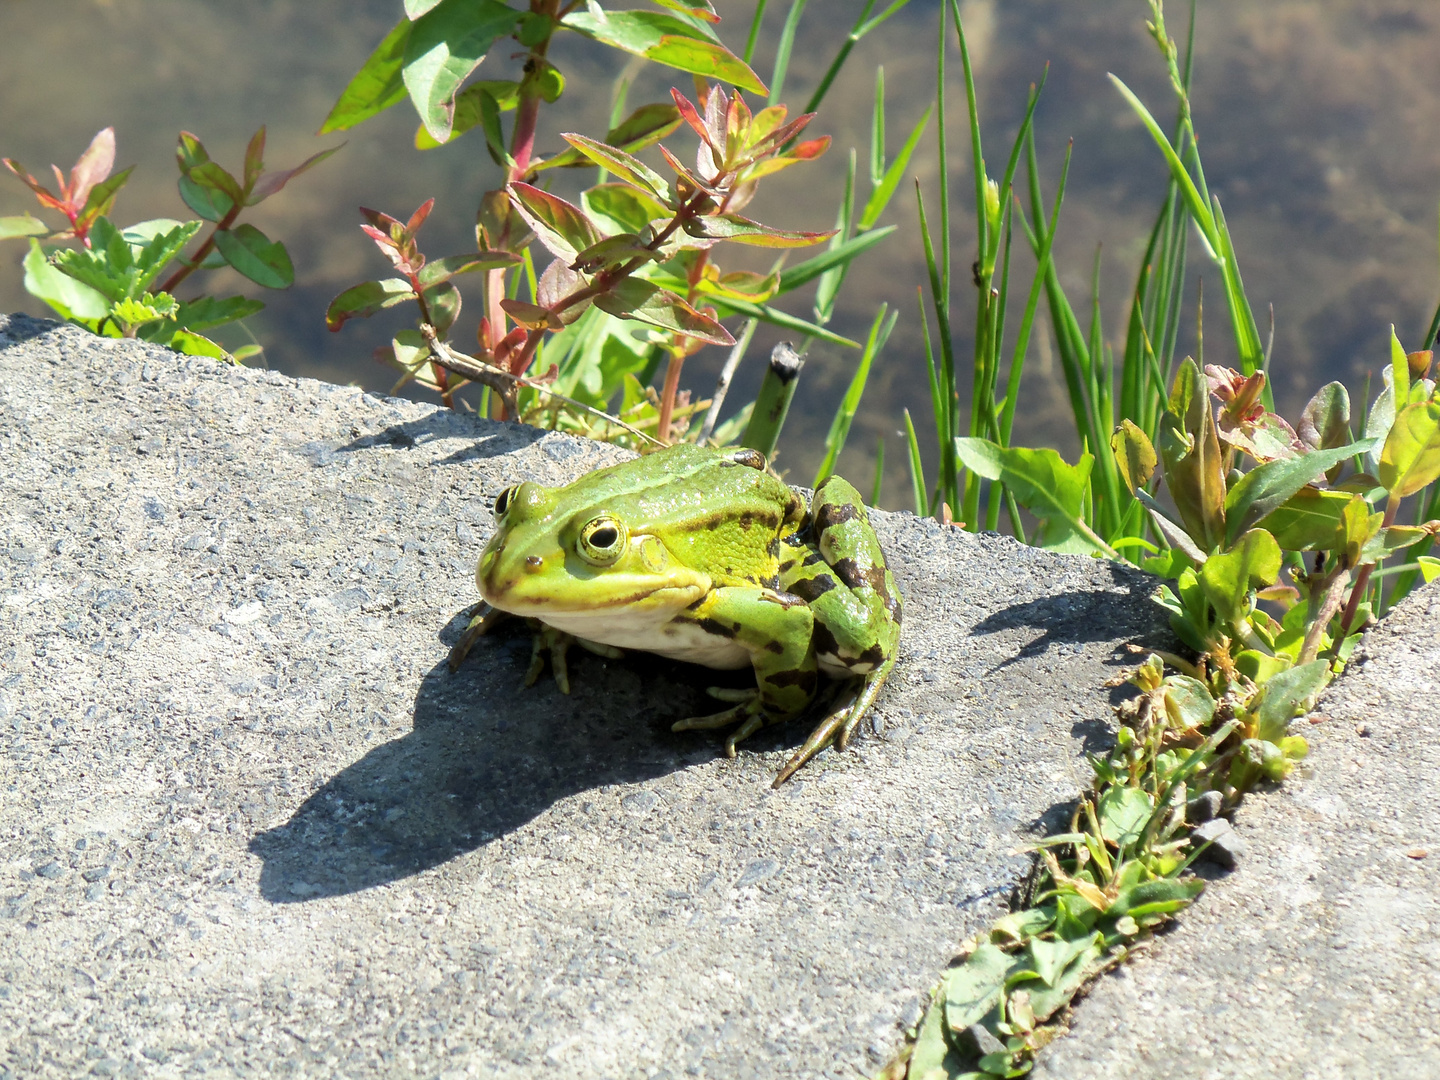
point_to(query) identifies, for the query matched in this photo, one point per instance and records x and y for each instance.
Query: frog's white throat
(650, 629)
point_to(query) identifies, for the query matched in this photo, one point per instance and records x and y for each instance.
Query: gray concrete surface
(250, 825)
(1318, 958)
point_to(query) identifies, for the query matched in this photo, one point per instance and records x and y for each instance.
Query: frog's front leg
(776, 630)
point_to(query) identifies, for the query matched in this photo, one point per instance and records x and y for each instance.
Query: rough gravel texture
(1319, 957)
(250, 824)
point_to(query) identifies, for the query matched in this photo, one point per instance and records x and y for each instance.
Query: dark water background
(1319, 123)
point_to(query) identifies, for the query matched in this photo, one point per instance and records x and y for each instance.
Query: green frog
(704, 555)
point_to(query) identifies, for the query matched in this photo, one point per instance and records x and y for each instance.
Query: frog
(704, 555)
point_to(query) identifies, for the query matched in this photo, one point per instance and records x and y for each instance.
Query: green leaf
(415, 8)
(471, 105)
(744, 231)
(1307, 520)
(933, 1055)
(443, 301)
(1429, 567)
(644, 127)
(666, 40)
(1124, 812)
(974, 988)
(1283, 697)
(1020, 926)
(252, 253)
(1163, 896)
(133, 311)
(1134, 456)
(1190, 449)
(206, 311)
(635, 298)
(363, 300)
(211, 176)
(118, 268)
(210, 204)
(1267, 486)
(1049, 959)
(1044, 484)
(1377, 425)
(69, 298)
(446, 44)
(193, 344)
(375, 87)
(1399, 367)
(1188, 704)
(621, 208)
(1411, 458)
(561, 226)
(22, 225)
(101, 199)
(440, 270)
(626, 166)
(1228, 577)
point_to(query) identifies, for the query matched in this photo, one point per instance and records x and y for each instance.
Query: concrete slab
(249, 823)
(1318, 958)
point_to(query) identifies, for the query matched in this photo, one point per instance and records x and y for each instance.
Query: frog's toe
(609, 652)
(733, 694)
(482, 618)
(744, 731)
(557, 644)
(709, 723)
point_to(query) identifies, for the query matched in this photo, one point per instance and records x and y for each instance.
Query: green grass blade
(879, 471)
(841, 254)
(755, 23)
(783, 49)
(890, 181)
(917, 470)
(840, 426)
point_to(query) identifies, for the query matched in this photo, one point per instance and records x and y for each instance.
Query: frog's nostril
(534, 563)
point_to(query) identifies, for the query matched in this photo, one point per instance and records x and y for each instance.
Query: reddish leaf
(558, 282)
(626, 166)
(41, 192)
(561, 226)
(442, 270)
(94, 166)
(209, 174)
(685, 174)
(744, 231)
(254, 158)
(689, 114)
(271, 182)
(189, 152)
(418, 217)
(613, 251)
(635, 298)
(101, 199)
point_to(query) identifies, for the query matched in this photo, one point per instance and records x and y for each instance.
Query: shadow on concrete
(17, 328)
(484, 757)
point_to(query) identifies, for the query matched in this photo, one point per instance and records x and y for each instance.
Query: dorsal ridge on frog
(705, 556)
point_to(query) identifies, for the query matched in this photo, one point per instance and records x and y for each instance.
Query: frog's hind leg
(839, 725)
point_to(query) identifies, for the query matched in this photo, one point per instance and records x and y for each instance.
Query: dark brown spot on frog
(784, 599)
(832, 514)
(787, 566)
(773, 547)
(824, 641)
(811, 589)
(716, 627)
(795, 507)
(811, 558)
(798, 677)
(775, 646)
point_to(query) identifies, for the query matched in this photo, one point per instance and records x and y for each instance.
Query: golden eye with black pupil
(602, 540)
(502, 501)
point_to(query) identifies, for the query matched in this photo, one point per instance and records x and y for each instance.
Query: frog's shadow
(485, 756)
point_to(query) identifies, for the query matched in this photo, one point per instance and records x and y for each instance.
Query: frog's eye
(503, 500)
(602, 541)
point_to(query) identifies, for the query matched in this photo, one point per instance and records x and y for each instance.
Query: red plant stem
(192, 264)
(667, 396)
(1362, 580)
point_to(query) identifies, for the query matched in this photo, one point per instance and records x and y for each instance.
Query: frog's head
(556, 553)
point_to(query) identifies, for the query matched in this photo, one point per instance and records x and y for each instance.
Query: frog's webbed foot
(557, 643)
(839, 725)
(482, 618)
(747, 713)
